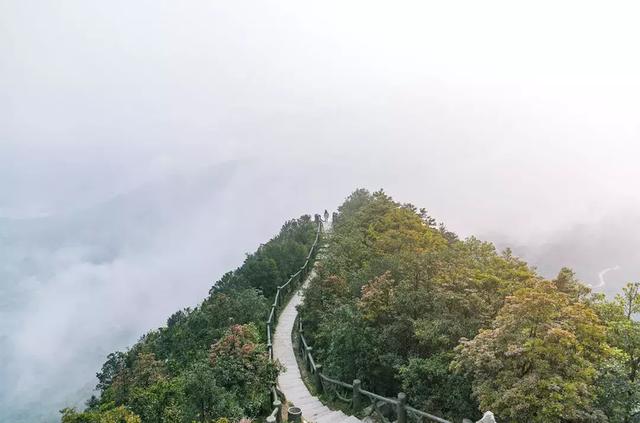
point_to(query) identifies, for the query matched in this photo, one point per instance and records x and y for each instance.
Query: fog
(146, 146)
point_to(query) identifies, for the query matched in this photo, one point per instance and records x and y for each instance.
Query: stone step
(290, 381)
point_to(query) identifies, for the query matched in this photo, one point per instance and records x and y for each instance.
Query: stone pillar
(356, 399)
(309, 350)
(402, 410)
(294, 414)
(318, 379)
(487, 418)
(277, 404)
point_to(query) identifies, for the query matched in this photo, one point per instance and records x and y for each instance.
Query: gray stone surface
(290, 381)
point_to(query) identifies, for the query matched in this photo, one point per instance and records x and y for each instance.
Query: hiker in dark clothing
(326, 215)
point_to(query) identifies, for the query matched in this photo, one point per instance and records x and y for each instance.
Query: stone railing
(386, 409)
(283, 293)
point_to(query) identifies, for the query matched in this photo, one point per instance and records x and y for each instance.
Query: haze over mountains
(146, 146)
(603, 253)
(76, 286)
(79, 284)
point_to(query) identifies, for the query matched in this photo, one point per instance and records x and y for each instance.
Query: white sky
(509, 107)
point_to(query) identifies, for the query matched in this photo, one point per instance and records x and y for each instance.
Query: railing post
(269, 346)
(356, 400)
(488, 417)
(306, 358)
(300, 343)
(294, 415)
(277, 404)
(318, 379)
(402, 410)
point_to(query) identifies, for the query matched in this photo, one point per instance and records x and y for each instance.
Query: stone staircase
(290, 382)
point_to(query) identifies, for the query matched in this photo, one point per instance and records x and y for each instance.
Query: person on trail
(326, 215)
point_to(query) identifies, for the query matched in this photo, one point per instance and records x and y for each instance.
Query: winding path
(290, 381)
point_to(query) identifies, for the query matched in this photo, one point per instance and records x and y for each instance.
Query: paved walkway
(290, 382)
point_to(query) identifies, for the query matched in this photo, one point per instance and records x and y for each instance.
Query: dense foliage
(405, 305)
(209, 364)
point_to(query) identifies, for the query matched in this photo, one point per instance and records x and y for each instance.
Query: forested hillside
(405, 305)
(208, 363)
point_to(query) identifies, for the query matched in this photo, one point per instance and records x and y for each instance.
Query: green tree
(567, 282)
(620, 378)
(322, 295)
(430, 385)
(242, 366)
(157, 402)
(350, 348)
(205, 399)
(261, 271)
(539, 361)
(115, 363)
(115, 415)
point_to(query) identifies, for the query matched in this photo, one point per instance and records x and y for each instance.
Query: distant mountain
(606, 251)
